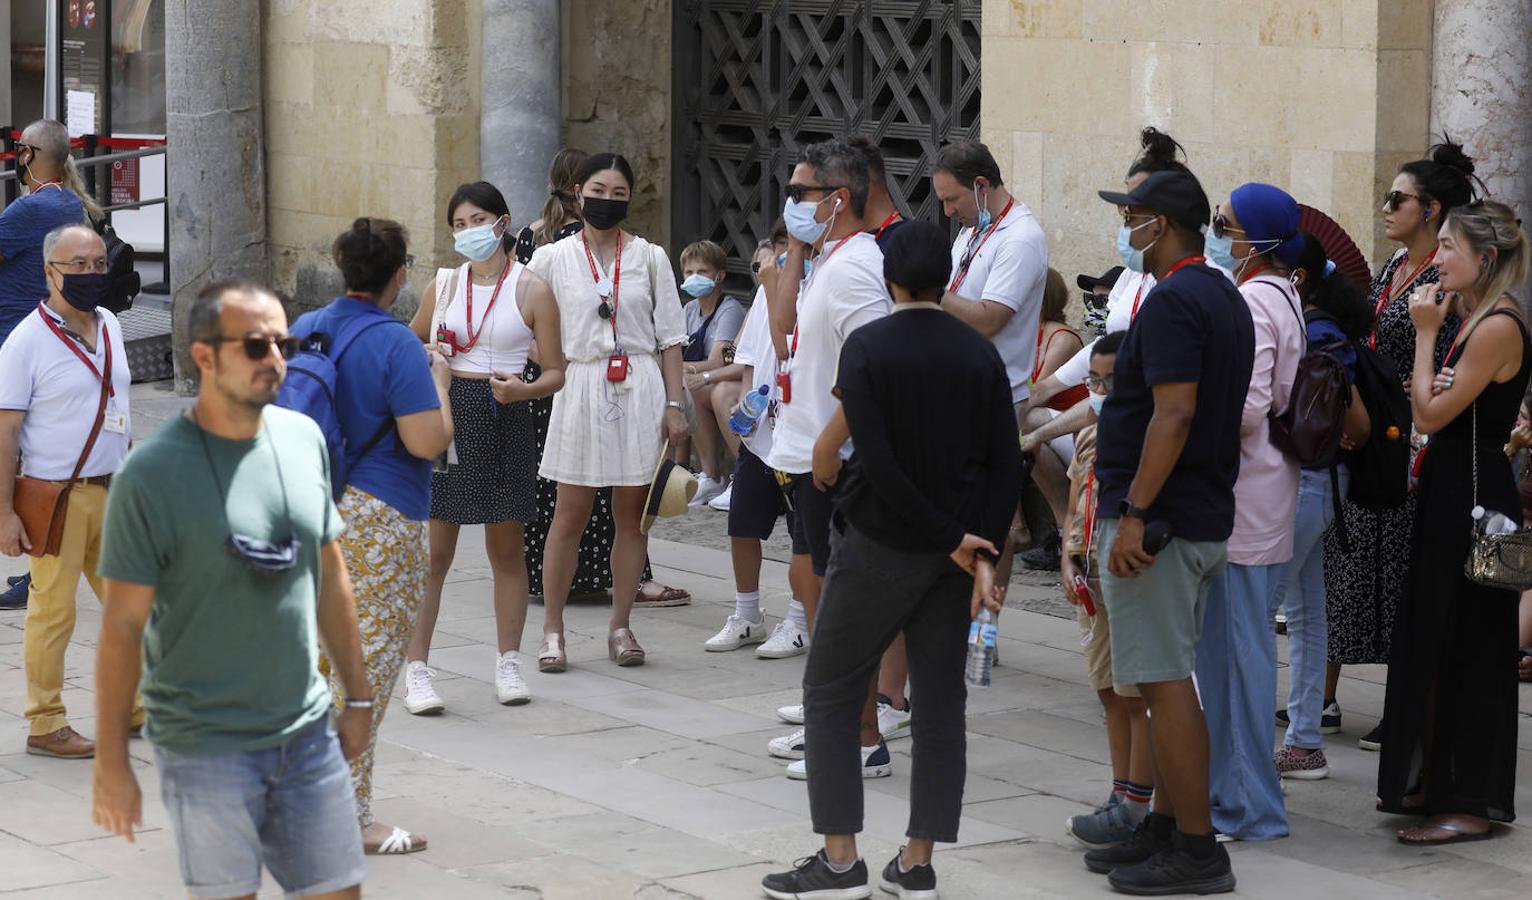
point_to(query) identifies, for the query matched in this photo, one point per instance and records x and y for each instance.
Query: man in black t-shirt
(1168, 455)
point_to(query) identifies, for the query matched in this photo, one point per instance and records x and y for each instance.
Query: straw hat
(671, 489)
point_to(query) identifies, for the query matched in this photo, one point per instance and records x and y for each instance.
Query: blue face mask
(1096, 402)
(799, 216)
(808, 264)
(698, 285)
(1221, 250)
(1132, 257)
(986, 218)
(478, 243)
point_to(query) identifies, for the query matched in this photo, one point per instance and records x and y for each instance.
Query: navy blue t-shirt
(383, 376)
(23, 226)
(1194, 327)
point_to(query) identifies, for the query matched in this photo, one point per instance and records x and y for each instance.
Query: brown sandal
(668, 596)
(623, 648)
(551, 657)
(1456, 834)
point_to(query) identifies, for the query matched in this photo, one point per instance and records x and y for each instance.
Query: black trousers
(872, 592)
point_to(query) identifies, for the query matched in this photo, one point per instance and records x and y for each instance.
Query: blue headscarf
(1269, 216)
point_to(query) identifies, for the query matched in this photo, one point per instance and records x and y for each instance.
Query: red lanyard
(793, 350)
(1188, 261)
(1138, 298)
(892, 218)
(1090, 512)
(70, 343)
(473, 336)
(595, 273)
(973, 253)
(1392, 292)
(1258, 270)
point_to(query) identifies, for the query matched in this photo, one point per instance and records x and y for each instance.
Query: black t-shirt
(936, 453)
(1194, 327)
(888, 231)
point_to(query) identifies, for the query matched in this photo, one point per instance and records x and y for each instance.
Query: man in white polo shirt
(54, 369)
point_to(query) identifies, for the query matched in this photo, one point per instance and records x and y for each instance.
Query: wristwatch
(675, 404)
(707, 377)
(1126, 509)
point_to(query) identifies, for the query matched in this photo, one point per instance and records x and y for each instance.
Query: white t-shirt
(1131, 287)
(844, 292)
(42, 377)
(1011, 269)
(754, 349)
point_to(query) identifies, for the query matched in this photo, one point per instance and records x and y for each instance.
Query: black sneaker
(1046, 556)
(15, 597)
(1175, 870)
(918, 883)
(813, 879)
(1372, 740)
(1329, 718)
(1150, 837)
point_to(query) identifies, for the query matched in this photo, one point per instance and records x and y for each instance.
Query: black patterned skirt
(494, 477)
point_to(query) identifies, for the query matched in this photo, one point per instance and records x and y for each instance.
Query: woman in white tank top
(484, 315)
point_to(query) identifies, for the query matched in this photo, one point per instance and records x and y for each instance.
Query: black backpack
(125, 279)
(1309, 429)
(1380, 468)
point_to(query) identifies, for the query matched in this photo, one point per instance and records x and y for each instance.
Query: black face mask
(85, 291)
(603, 214)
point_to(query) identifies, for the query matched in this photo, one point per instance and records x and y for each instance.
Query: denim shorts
(290, 807)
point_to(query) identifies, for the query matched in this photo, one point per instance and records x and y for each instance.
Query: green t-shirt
(230, 655)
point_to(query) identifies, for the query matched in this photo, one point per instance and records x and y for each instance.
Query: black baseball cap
(1109, 278)
(1176, 195)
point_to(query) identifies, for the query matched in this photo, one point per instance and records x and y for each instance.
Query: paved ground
(653, 782)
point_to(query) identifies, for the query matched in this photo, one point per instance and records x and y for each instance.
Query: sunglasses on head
(257, 346)
(1395, 199)
(795, 192)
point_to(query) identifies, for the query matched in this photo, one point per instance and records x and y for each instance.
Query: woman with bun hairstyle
(1450, 710)
(392, 401)
(1364, 586)
(484, 316)
(593, 572)
(623, 332)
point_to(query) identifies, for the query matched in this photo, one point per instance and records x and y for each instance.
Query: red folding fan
(1339, 246)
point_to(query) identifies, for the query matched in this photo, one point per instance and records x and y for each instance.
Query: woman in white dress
(622, 336)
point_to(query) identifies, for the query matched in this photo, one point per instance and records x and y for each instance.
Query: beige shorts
(1098, 650)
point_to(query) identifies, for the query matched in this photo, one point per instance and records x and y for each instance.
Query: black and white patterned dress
(1364, 587)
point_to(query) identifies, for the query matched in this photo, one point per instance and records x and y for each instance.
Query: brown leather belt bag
(41, 504)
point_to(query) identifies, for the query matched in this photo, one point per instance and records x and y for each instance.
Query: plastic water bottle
(751, 408)
(981, 649)
(1491, 522)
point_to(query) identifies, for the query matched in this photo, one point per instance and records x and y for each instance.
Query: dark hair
(204, 318)
(918, 258)
(370, 254)
(843, 166)
(603, 161)
(778, 231)
(1446, 177)
(1159, 153)
(561, 203)
(967, 161)
(875, 168)
(486, 197)
(1334, 293)
(1108, 344)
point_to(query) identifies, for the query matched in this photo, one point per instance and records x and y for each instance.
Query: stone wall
(617, 95)
(1324, 98)
(372, 108)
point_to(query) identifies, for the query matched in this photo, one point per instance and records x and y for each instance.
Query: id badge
(452, 453)
(785, 383)
(115, 422)
(444, 340)
(617, 368)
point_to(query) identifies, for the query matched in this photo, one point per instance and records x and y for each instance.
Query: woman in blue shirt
(392, 401)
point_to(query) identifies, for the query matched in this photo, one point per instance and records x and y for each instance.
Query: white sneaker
(893, 723)
(707, 489)
(785, 641)
(721, 502)
(792, 715)
(876, 763)
(509, 687)
(736, 633)
(420, 697)
(789, 746)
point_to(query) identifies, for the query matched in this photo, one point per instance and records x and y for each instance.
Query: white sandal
(396, 844)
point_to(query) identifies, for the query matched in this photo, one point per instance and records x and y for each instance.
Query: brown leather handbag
(41, 504)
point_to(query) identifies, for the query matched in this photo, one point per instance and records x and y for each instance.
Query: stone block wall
(372, 108)
(1324, 98)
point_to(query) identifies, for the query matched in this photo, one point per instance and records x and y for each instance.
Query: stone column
(216, 158)
(521, 119)
(1481, 91)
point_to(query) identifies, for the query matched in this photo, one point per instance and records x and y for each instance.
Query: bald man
(64, 411)
(52, 200)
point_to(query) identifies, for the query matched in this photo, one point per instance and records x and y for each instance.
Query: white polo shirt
(755, 349)
(1010, 269)
(41, 376)
(844, 292)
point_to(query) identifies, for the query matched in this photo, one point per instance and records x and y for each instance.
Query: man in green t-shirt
(221, 564)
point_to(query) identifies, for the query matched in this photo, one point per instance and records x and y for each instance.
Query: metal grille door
(756, 80)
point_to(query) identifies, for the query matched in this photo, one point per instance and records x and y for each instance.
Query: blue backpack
(310, 387)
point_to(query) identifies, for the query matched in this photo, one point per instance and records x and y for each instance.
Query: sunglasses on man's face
(1395, 199)
(795, 192)
(257, 346)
